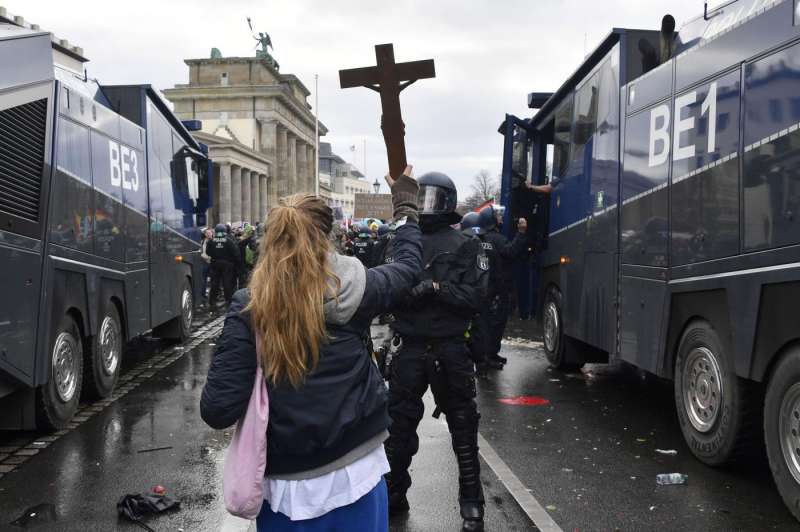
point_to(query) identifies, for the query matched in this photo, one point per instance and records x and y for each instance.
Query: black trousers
(222, 273)
(447, 368)
(499, 310)
(481, 338)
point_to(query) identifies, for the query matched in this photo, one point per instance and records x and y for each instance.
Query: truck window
(72, 220)
(561, 137)
(113, 173)
(705, 171)
(644, 225)
(585, 114)
(771, 187)
(584, 123)
(605, 144)
(520, 158)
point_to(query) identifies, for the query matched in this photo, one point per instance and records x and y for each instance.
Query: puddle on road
(36, 516)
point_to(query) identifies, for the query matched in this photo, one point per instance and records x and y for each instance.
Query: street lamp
(376, 186)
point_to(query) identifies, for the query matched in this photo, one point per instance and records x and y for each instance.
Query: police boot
(472, 513)
(499, 359)
(470, 491)
(494, 363)
(398, 503)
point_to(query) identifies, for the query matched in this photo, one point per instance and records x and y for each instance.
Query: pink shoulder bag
(246, 459)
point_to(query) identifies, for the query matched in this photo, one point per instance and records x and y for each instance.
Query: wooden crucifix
(389, 79)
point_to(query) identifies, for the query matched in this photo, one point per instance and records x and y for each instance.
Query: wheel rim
(186, 309)
(109, 345)
(65, 375)
(702, 388)
(790, 429)
(551, 327)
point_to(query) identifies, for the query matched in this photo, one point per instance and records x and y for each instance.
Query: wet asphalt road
(588, 456)
(153, 435)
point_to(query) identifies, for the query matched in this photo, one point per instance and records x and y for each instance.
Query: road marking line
(527, 502)
(128, 382)
(535, 512)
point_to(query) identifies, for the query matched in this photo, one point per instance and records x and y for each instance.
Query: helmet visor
(434, 200)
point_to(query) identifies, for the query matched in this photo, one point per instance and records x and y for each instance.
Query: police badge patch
(483, 262)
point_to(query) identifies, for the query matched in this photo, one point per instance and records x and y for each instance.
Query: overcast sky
(489, 55)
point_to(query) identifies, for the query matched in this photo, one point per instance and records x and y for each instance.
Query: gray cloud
(489, 54)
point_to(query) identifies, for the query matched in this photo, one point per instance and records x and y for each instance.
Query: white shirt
(313, 497)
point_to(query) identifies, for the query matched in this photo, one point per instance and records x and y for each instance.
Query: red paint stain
(525, 400)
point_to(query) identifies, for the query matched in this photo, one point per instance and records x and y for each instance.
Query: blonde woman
(310, 310)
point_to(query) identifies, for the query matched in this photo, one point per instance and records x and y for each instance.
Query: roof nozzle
(667, 38)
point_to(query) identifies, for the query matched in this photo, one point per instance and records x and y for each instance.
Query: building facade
(345, 180)
(260, 130)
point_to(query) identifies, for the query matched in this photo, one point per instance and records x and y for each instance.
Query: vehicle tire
(719, 413)
(556, 346)
(187, 311)
(57, 399)
(782, 429)
(179, 328)
(103, 362)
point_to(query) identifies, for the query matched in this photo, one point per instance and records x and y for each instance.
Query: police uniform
(480, 331)
(432, 323)
(225, 261)
(362, 248)
(501, 253)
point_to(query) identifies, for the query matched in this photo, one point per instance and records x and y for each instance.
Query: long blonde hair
(289, 285)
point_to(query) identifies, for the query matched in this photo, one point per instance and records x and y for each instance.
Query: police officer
(432, 324)
(502, 253)
(479, 332)
(225, 263)
(363, 244)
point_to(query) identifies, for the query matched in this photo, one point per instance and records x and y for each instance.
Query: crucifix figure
(389, 79)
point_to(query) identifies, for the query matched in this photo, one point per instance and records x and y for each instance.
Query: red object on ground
(525, 400)
(159, 490)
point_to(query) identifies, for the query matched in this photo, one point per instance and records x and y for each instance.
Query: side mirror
(190, 182)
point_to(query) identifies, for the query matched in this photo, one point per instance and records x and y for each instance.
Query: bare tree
(484, 188)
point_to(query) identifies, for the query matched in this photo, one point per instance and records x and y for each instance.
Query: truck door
(644, 234)
(599, 316)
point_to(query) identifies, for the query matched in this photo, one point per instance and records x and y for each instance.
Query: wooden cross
(389, 79)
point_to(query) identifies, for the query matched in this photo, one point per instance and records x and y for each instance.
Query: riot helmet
(437, 194)
(487, 219)
(221, 230)
(470, 220)
(383, 230)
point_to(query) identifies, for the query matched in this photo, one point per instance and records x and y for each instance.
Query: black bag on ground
(135, 506)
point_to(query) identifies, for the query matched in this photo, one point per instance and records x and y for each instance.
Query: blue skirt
(370, 513)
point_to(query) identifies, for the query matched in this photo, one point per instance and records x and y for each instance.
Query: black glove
(423, 289)
(404, 198)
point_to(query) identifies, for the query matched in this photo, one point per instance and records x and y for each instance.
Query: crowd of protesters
(238, 246)
(229, 255)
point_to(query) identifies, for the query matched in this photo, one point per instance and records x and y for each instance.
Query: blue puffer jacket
(342, 403)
